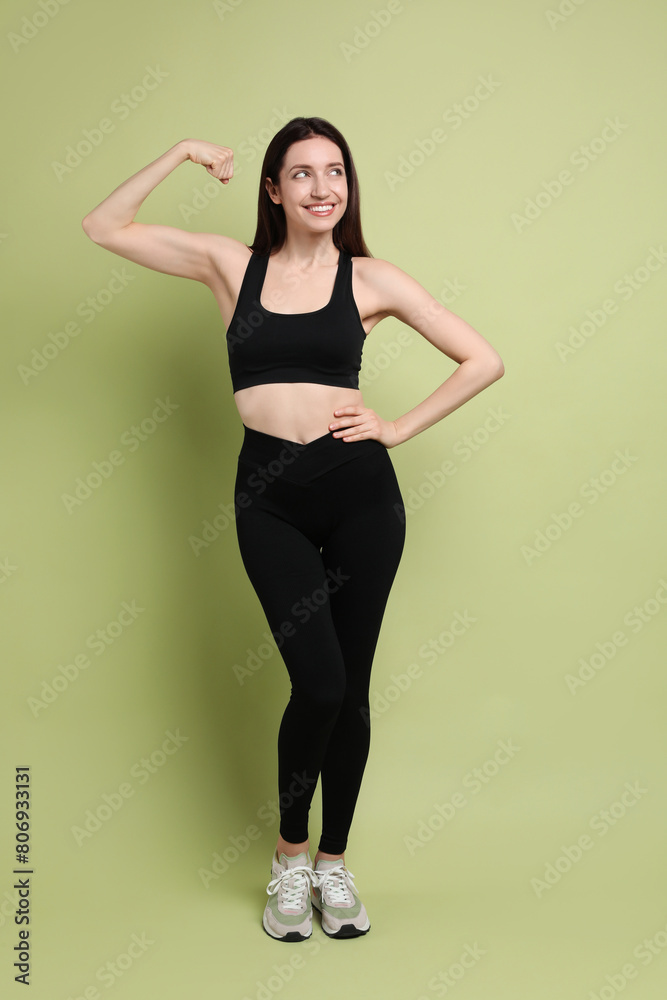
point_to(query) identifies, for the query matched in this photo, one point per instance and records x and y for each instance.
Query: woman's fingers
(218, 160)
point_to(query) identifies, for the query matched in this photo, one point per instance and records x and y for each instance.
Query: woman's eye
(338, 170)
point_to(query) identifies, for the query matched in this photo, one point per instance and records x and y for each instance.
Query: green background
(473, 544)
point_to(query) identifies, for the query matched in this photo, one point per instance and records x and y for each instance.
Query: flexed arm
(163, 248)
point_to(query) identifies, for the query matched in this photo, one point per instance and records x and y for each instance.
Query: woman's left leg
(367, 540)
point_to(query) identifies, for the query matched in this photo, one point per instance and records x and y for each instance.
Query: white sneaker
(288, 915)
(334, 895)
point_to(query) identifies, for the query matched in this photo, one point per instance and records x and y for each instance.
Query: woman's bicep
(163, 248)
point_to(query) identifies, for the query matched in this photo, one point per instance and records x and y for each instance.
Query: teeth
(322, 208)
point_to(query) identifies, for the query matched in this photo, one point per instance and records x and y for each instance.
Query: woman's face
(313, 174)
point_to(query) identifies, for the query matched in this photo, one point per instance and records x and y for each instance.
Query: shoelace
(333, 882)
(290, 894)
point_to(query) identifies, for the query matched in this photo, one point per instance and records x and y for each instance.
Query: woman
(319, 515)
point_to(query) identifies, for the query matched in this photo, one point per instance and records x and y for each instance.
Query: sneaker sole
(290, 936)
(346, 930)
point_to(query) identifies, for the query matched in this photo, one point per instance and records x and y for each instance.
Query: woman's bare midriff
(293, 411)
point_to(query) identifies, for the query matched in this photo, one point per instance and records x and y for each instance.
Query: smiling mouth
(319, 209)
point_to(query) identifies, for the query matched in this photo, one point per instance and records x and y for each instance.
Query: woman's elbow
(85, 225)
(493, 365)
(88, 226)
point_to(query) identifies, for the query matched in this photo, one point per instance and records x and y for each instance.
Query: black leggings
(321, 529)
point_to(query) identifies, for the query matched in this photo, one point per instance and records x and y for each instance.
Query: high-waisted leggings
(321, 529)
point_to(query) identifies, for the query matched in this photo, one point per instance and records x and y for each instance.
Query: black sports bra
(324, 346)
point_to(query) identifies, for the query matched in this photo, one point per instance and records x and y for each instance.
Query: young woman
(320, 520)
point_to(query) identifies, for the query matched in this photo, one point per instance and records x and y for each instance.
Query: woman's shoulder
(392, 290)
(377, 271)
(374, 265)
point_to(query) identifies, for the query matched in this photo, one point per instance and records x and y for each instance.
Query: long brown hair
(271, 229)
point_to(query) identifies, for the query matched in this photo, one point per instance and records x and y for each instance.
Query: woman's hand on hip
(356, 423)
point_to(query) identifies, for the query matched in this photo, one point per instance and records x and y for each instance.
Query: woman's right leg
(286, 570)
